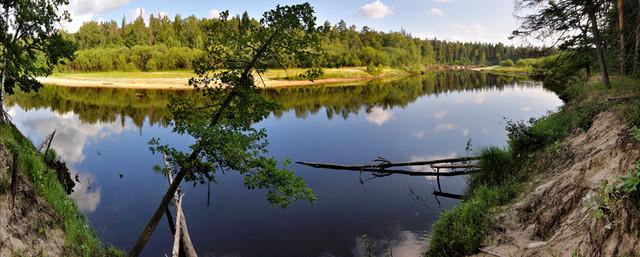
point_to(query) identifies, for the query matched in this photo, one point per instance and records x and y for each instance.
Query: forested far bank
(161, 43)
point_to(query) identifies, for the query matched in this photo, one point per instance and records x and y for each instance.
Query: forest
(161, 43)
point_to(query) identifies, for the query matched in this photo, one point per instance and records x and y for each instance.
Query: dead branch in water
(383, 163)
(454, 166)
(382, 171)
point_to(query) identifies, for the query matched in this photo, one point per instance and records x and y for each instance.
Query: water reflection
(417, 118)
(106, 105)
(378, 116)
(401, 244)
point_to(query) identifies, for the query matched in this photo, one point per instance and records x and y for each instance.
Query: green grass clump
(497, 166)
(79, 237)
(460, 231)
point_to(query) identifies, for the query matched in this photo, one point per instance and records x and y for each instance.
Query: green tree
(31, 44)
(226, 104)
(555, 18)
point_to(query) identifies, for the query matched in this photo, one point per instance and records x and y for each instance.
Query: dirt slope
(28, 226)
(553, 220)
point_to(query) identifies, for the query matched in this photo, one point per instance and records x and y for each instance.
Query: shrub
(506, 63)
(460, 231)
(497, 166)
(522, 139)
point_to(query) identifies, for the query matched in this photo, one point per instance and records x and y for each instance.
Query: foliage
(31, 45)
(497, 166)
(227, 102)
(343, 45)
(460, 231)
(374, 70)
(139, 57)
(507, 63)
(79, 237)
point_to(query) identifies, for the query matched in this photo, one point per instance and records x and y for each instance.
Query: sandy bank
(179, 83)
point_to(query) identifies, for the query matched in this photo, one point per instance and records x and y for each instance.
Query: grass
(80, 239)
(503, 173)
(275, 74)
(460, 231)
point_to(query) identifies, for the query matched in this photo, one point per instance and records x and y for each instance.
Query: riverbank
(178, 80)
(565, 186)
(37, 217)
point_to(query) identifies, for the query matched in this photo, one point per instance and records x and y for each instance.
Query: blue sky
(463, 20)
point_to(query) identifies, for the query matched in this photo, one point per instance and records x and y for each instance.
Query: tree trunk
(621, 31)
(591, 12)
(636, 55)
(4, 117)
(168, 196)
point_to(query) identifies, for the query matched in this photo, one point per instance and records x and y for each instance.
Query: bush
(506, 63)
(460, 231)
(137, 58)
(522, 139)
(497, 166)
(374, 70)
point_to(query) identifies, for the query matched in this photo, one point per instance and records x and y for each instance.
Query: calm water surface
(104, 133)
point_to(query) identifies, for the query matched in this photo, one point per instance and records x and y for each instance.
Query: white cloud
(82, 11)
(376, 10)
(419, 134)
(214, 14)
(436, 12)
(378, 116)
(443, 1)
(162, 14)
(86, 194)
(96, 6)
(439, 114)
(138, 12)
(445, 127)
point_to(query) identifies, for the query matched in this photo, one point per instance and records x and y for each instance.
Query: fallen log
(376, 169)
(187, 245)
(383, 164)
(177, 235)
(455, 166)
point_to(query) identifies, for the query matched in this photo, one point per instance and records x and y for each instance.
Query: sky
(460, 20)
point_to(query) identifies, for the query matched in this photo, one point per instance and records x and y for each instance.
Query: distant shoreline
(178, 80)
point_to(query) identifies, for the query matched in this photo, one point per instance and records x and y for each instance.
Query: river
(102, 134)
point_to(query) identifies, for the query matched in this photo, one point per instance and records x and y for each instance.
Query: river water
(102, 134)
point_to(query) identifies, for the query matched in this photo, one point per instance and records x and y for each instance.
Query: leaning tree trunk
(621, 31)
(168, 196)
(591, 12)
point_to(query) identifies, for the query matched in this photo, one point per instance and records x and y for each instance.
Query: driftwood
(455, 166)
(176, 236)
(386, 171)
(47, 142)
(182, 231)
(382, 165)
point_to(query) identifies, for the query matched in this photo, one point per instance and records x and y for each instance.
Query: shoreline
(178, 80)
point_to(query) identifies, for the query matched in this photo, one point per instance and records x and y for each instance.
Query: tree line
(591, 35)
(162, 43)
